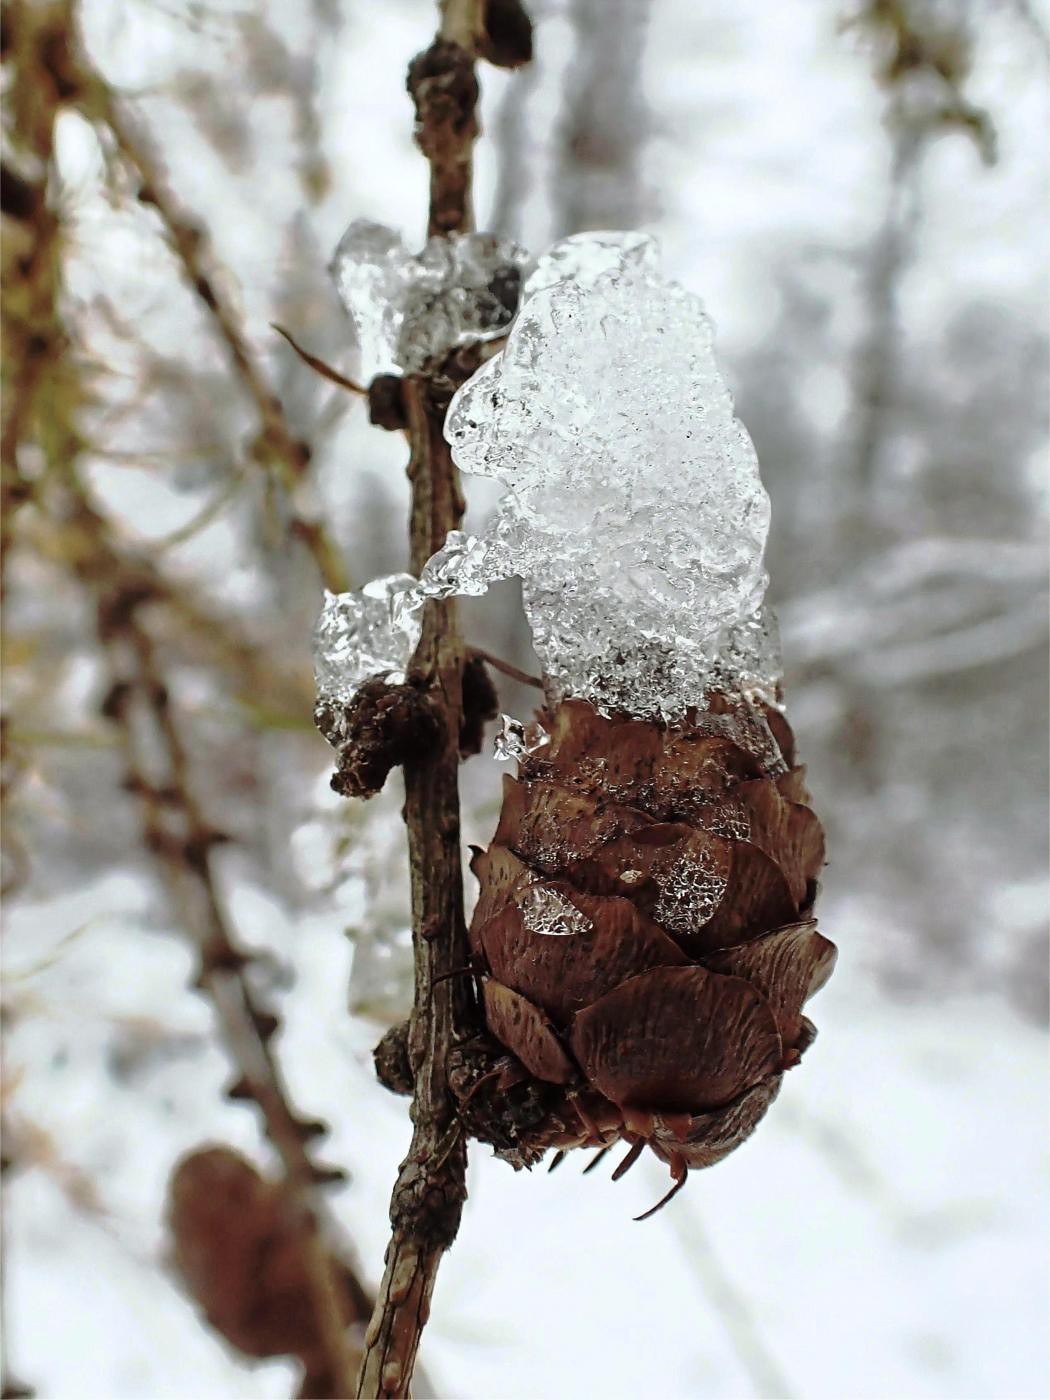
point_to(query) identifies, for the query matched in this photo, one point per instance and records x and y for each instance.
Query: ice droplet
(407, 307)
(517, 740)
(548, 912)
(691, 892)
(633, 512)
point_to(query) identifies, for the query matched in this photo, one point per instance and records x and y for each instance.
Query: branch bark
(430, 1189)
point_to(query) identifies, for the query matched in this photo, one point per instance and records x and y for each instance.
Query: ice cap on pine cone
(644, 929)
(634, 512)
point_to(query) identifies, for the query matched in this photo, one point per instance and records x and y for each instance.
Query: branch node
(393, 1069)
(382, 727)
(386, 404)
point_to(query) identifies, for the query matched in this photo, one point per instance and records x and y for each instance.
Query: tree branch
(430, 1189)
(182, 842)
(277, 446)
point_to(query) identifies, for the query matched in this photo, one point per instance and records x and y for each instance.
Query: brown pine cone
(645, 935)
(239, 1250)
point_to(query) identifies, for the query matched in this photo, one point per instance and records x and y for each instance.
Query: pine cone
(645, 935)
(240, 1254)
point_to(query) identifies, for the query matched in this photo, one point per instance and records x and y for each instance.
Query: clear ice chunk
(584, 257)
(633, 511)
(548, 912)
(366, 633)
(407, 307)
(374, 631)
(515, 740)
(463, 565)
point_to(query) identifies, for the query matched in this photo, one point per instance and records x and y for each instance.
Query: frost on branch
(634, 512)
(407, 307)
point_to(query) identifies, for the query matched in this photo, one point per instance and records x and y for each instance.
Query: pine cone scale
(675, 1040)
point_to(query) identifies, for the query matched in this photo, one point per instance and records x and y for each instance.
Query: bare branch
(430, 1189)
(277, 447)
(182, 843)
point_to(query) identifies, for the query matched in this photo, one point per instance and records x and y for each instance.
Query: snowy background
(881, 304)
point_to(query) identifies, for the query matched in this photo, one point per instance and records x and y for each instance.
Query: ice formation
(407, 307)
(633, 510)
(546, 911)
(364, 634)
(517, 740)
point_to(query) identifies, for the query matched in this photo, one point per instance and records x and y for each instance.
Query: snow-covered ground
(883, 1234)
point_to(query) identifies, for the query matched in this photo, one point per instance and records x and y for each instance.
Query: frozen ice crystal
(633, 508)
(691, 893)
(585, 257)
(407, 307)
(364, 634)
(517, 740)
(548, 912)
(462, 565)
(374, 631)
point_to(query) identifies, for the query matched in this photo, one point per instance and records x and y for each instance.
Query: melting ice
(633, 510)
(546, 911)
(407, 306)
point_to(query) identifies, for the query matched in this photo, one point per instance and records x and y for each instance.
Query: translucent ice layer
(545, 911)
(634, 512)
(364, 634)
(515, 740)
(407, 307)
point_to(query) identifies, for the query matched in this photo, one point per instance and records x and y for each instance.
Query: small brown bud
(393, 1069)
(506, 41)
(386, 406)
(382, 726)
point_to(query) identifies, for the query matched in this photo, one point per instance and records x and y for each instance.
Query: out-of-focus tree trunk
(597, 182)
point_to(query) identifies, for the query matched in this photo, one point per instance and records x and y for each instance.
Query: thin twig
(46, 76)
(277, 444)
(320, 366)
(498, 664)
(428, 1195)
